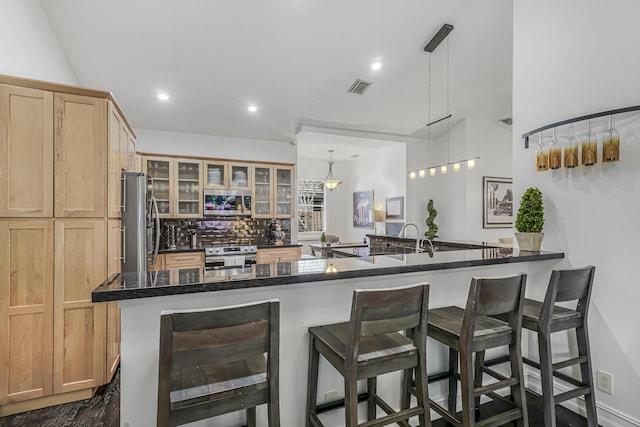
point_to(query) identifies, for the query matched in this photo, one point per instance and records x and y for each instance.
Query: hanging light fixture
(456, 165)
(330, 182)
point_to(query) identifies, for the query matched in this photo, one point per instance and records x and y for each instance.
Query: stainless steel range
(230, 256)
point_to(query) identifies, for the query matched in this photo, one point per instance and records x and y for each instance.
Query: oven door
(225, 261)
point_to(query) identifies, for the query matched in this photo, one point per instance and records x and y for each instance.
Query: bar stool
(546, 318)
(470, 330)
(218, 361)
(372, 343)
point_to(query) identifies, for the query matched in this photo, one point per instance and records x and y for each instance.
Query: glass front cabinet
(176, 186)
(272, 191)
(219, 175)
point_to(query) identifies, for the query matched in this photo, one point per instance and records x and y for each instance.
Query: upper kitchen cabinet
(26, 152)
(160, 169)
(187, 189)
(221, 175)
(121, 157)
(176, 186)
(272, 193)
(80, 149)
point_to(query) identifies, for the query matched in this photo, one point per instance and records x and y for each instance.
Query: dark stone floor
(103, 410)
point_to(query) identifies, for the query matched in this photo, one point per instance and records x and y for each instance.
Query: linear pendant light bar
(470, 165)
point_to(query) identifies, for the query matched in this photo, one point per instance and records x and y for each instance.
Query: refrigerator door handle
(124, 246)
(154, 204)
(124, 194)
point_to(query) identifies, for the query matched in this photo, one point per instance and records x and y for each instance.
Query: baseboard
(607, 416)
(43, 402)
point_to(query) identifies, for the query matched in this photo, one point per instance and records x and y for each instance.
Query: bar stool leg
(350, 401)
(312, 381)
(587, 375)
(477, 381)
(546, 375)
(251, 417)
(405, 398)
(518, 391)
(372, 388)
(422, 393)
(453, 382)
(466, 380)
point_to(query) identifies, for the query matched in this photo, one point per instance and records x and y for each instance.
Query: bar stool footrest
(579, 391)
(448, 416)
(500, 419)
(489, 388)
(395, 417)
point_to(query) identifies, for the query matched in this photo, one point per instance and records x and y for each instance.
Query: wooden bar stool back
(218, 361)
(471, 330)
(546, 318)
(373, 343)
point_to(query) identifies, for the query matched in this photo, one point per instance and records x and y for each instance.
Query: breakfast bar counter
(311, 292)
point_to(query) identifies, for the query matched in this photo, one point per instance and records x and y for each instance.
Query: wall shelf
(577, 119)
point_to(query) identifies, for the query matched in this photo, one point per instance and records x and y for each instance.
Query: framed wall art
(394, 207)
(497, 202)
(363, 209)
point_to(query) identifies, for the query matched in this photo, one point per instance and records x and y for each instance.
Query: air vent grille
(508, 121)
(359, 86)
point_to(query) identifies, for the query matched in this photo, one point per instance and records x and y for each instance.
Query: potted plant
(530, 220)
(432, 232)
(323, 238)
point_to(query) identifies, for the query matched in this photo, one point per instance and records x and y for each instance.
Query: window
(311, 208)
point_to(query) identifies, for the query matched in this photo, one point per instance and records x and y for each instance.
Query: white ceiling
(295, 59)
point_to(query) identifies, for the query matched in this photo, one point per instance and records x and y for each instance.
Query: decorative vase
(529, 241)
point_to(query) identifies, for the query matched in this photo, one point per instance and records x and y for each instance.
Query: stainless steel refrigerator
(140, 223)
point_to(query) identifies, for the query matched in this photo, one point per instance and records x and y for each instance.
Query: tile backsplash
(224, 231)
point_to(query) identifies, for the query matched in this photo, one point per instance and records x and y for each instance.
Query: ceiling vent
(508, 121)
(359, 86)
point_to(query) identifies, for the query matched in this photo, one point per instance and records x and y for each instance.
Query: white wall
(190, 144)
(582, 60)
(458, 196)
(28, 44)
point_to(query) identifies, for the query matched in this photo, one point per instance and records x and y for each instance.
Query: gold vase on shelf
(589, 147)
(571, 159)
(555, 152)
(542, 156)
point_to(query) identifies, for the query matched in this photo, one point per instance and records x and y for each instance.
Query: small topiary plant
(432, 232)
(323, 238)
(530, 218)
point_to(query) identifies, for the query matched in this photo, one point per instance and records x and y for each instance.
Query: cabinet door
(161, 170)
(187, 194)
(184, 260)
(239, 176)
(26, 310)
(284, 188)
(26, 152)
(215, 175)
(78, 328)
(114, 166)
(131, 146)
(262, 192)
(79, 143)
(114, 259)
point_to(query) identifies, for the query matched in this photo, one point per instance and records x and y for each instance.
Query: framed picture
(394, 207)
(393, 228)
(497, 202)
(363, 209)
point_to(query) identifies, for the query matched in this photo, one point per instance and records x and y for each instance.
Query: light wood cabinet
(184, 260)
(159, 264)
(61, 153)
(79, 163)
(26, 310)
(177, 186)
(221, 175)
(78, 324)
(273, 190)
(266, 256)
(114, 263)
(26, 152)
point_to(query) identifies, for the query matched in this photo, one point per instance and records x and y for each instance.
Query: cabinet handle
(123, 206)
(184, 259)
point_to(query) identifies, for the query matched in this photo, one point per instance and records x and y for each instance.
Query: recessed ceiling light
(163, 96)
(376, 65)
(252, 108)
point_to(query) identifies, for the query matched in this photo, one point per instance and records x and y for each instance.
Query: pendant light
(330, 182)
(440, 36)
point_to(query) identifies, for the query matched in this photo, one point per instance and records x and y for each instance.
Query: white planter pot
(529, 241)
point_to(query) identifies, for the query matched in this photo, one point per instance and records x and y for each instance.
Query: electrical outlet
(330, 396)
(604, 381)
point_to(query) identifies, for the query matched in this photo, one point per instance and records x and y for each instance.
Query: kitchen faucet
(401, 234)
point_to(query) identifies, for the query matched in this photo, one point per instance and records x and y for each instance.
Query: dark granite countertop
(126, 286)
(286, 245)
